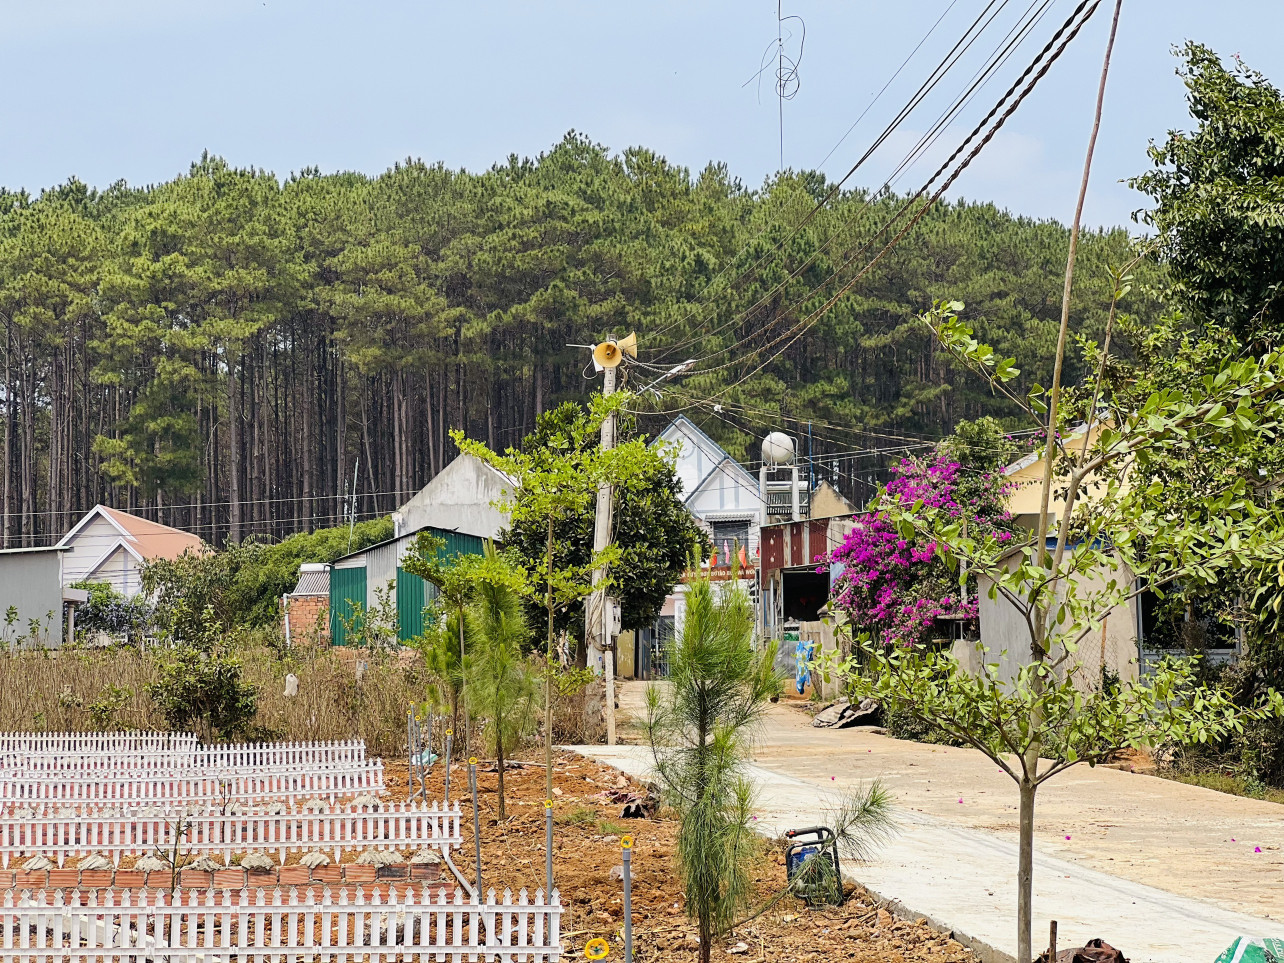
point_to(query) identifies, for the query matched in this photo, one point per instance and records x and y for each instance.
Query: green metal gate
(347, 585)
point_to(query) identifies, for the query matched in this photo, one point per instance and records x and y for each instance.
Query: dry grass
(76, 689)
(84, 689)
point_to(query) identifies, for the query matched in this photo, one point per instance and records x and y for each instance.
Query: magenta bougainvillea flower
(896, 588)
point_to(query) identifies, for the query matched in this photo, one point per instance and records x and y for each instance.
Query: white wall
(725, 495)
(89, 545)
(459, 499)
(694, 459)
(1005, 638)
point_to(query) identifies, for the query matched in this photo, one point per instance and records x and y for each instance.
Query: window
(727, 535)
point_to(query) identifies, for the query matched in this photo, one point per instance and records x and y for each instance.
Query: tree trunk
(1025, 873)
(233, 453)
(499, 761)
(548, 674)
(463, 706)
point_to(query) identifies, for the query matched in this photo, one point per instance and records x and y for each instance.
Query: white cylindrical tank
(778, 449)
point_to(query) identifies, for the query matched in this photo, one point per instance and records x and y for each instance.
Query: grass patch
(608, 828)
(579, 816)
(1227, 783)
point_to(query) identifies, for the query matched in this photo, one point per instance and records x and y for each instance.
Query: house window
(727, 535)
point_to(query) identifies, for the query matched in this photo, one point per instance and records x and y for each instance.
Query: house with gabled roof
(108, 545)
(717, 489)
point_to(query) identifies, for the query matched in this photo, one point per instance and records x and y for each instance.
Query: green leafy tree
(501, 687)
(551, 482)
(1217, 193)
(455, 577)
(654, 531)
(199, 682)
(699, 727)
(1113, 536)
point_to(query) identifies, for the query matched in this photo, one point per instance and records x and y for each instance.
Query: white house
(112, 546)
(460, 498)
(718, 490)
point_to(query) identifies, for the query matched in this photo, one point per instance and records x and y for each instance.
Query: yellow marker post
(596, 948)
(626, 851)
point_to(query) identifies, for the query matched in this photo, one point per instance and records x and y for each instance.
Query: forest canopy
(228, 351)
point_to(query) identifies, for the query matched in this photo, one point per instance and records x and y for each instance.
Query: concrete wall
(31, 582)
(1005, 638)
(459, 499)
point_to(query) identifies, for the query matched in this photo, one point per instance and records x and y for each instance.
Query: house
(1004, 636)
(37, 609)
(108, 545)
(718, 490)
(374, 580)
(460, 498)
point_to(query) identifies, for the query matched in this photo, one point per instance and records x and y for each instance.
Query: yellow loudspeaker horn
(609, 354)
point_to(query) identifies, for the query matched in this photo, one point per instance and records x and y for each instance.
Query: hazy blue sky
(136, 89)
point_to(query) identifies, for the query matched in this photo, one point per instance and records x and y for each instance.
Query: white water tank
(778, 449)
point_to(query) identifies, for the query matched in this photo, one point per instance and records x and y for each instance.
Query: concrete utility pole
(597, 632)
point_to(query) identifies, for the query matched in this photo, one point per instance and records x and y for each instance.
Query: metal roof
(313, 583)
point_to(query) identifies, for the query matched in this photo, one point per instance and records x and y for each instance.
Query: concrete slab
(964, 880)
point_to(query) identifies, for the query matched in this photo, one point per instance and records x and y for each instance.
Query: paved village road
(1162, 870)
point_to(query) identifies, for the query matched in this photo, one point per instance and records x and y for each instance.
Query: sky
(105, 90)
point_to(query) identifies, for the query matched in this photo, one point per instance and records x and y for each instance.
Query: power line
(1069, 30)
(993, 63)
(934, 78)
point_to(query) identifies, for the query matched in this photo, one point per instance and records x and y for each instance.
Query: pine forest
(236, 353)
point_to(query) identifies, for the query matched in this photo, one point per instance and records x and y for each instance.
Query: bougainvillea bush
(892, 587)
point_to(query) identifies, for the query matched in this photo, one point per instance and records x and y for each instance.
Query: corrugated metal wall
(378, 565)
(347, 585)
(413, 595)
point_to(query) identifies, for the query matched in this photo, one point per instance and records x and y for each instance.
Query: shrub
(107, 611)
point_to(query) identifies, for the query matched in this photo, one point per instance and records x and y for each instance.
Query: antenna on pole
(352, 510)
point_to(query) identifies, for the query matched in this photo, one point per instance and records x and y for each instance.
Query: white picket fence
(208, 926)
(394, 826)
(95, 742)
(179, 789)
(210, 759)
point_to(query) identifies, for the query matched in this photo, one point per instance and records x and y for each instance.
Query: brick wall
(309, 619)
(232, 878)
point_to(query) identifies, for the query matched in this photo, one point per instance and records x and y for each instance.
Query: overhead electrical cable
(934, 78)
(1068, 31)
(982, 77)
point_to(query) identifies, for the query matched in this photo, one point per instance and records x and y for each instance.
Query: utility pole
(597, 632)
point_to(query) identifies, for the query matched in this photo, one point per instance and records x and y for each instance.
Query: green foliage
(105, 710)
(372, 628)
(232, 341)
(1218, 198)
(653, 530)
(439, 647)
(108, 611)
(501, 687)
(243, 583)
(1140, 511)
(199, 682)
(699, 726)
(265, 571)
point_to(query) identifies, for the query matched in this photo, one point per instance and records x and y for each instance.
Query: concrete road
(1166, 872)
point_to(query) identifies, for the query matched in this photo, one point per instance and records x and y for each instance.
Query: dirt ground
(586, 847)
